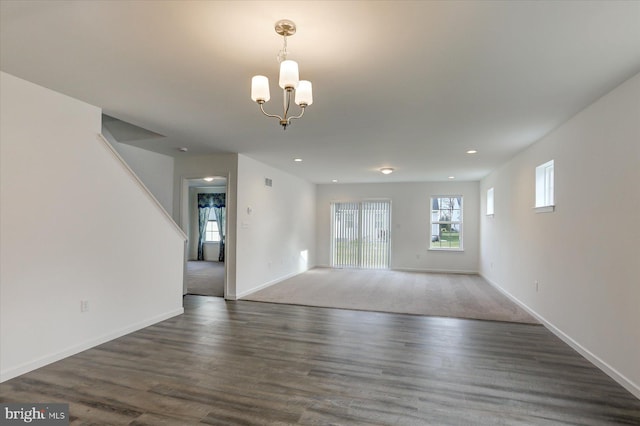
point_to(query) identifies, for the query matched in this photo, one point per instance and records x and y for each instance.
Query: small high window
(489, 201)
(544, 185)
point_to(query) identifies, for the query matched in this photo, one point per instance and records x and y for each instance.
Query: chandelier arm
(286, 101)
(267, 114)
(297, 116)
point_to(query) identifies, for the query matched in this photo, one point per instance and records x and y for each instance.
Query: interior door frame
(184, 219)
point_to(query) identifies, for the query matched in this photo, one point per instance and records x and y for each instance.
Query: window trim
(544, 209)
(460, 222)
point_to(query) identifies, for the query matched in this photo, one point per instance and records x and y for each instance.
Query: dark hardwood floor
(259, 363)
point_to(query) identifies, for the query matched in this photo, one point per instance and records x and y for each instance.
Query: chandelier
(289, 81)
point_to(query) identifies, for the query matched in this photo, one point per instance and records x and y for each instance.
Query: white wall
(210, 250)
(276, 237)
(410, 225)
(154, 170)
(586, 254)
(62, 191)
(195, 167)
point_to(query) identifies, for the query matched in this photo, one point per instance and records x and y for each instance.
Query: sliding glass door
(360, 234)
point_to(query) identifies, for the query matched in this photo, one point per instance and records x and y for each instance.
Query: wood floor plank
(258, 363)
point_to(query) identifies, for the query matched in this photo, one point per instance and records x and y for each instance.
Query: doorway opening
(205, 225)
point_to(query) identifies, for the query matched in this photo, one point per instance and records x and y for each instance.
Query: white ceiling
(410, 85)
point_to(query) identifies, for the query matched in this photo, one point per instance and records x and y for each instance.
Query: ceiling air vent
(268, 182)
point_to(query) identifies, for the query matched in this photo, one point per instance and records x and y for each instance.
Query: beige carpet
(446, 295)
(205, 278)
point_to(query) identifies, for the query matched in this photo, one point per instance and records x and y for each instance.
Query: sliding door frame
(359, 204)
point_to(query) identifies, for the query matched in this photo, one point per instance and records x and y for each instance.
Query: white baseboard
(48, 359)
(265, 285)
(437, 271)
(433, 271)
(594, 359)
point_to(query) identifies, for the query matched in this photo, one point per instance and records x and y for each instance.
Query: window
(544, 185)
(489, 201)
(211, 233)
(446, 223)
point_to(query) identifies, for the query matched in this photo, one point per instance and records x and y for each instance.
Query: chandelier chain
(282, 54)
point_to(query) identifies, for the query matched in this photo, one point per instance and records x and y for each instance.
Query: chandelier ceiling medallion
(289, 81)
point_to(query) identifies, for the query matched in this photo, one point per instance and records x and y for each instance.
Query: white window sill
(445, 249)
(490, 215)
(544, 209)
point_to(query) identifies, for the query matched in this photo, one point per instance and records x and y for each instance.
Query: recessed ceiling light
(386, 170)
(452, 177)
(334, 180)
(183, 149)
(208, 179)
(297, 160)
(472, 151)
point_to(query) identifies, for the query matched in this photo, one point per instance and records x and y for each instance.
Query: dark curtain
(220, 219)
(203, 218)
(206, 203)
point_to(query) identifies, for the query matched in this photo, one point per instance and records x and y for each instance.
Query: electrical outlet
(84, 306)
